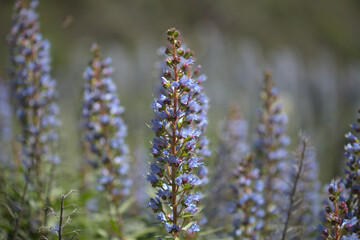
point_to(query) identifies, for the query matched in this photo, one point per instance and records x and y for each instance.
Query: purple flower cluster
(35, 94)
(343, 217)
(339, 219)
(201, 123)
(247, 201)
(352, 179)
(234, 136)
(232, 148)
(179, 124)
(5, 123)
(33, 87)
(103, 128)
(5, 112)
(270, 146)
(247, 205)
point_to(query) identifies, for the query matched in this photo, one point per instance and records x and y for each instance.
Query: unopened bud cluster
(338, 218)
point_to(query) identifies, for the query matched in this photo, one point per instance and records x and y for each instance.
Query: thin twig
(61, 215)
(293, 191)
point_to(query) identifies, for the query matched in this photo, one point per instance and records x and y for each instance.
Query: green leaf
(204, 233)
(114, 226)
(143, 231)
(189, 225)
(126, 205)
(102, 233)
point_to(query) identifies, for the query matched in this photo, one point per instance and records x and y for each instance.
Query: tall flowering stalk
(270, 146)
(105, 130)
(232, 148)
(34, 90)
(246, 185)
(352, 179)
(247, 203)
(303, 195)
(173, 173)
(338, 218)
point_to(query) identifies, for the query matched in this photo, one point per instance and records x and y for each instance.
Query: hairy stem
(120, 225)
(173, 149)
(293, 190)
(61, 216)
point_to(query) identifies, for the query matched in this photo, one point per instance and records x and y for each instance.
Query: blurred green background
(312, 48)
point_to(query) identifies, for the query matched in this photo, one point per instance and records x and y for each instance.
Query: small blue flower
(193, 228)
(194, 162)
(178, 180)
(168, 227)
(161, 217)
(191, 209)
(154, 204)
(164, 194)
(152, 178)
(156, 124)
(155, 169)
(348, 223)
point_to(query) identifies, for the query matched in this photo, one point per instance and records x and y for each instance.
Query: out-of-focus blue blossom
(92, 205)
(103, 128)
(193, 228)
(232, 148)
(179, 146)
(271, 153)
(34, 95)
(5, 112)
(234, 136)
(352, 237)
(247, 201)
(5, 123)
(139, 182)
(33, 87)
